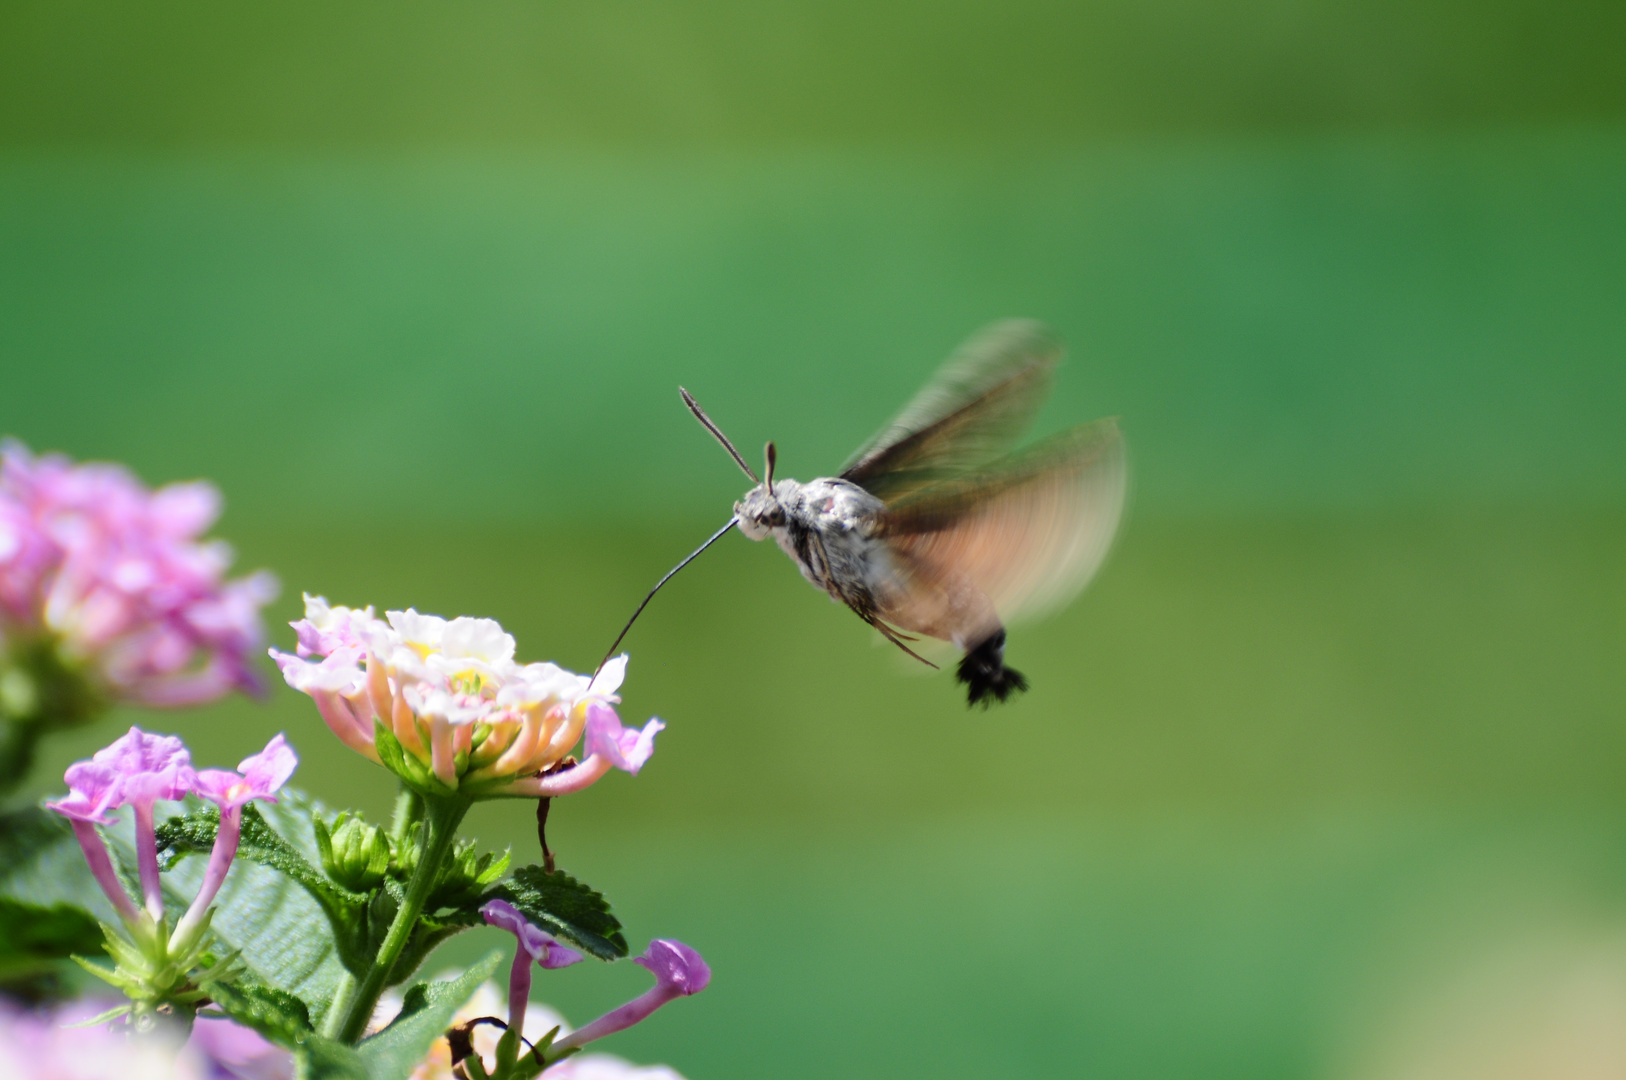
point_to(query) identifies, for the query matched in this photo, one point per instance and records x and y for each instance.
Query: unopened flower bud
(468, 874)
(355, 854)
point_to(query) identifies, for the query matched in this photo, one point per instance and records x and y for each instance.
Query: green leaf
(194, 834)
(276, 1014)
(35, 944)
(282, 1019)
(354, 854)
(426, 1013)
(453, 905)
(50, 905)
(102, 1017)
(569, 908)
(428, 935)
(466, 877)
(281, 931)
(324, 1059)
(30, 933)
(42, 865)
(415, 773)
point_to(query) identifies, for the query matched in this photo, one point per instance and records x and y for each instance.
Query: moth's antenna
(716, 536)
(700, 415)
(772, 456)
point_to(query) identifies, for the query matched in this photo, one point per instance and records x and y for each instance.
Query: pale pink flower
(536, 946)
(93, 787)
(608, 1067)
(467, 716)
(93, 790)
(262, 775)
(115, 578)
(679, 972)
(135, 770)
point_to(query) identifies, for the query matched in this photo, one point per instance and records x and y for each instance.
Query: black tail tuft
(985, 675)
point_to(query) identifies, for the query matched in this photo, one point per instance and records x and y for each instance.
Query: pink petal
(540, 945)
(93, 790)
(270, 768)
(149, 767)
(675, 965)
(185, 510)
(626, 749)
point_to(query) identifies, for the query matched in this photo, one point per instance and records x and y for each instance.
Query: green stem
(441, 819)
(408, 810)
(343, 995)
(528, 1067)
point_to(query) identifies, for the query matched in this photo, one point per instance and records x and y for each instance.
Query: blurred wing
(1018, 538)
(974, 409)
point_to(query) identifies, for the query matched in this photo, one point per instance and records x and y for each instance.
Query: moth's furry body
(835, 532)
(935, 526)
(827, 526)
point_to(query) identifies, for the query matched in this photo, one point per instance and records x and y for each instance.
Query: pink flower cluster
(138, 770)
(116, 577)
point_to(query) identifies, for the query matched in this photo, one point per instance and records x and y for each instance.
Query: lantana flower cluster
(444, 704)
(106, 586)
(139, 770)
(108, 594)
(158, 961)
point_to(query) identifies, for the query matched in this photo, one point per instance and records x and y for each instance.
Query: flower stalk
(442, 815)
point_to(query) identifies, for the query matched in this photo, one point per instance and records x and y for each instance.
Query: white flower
(477, 639)
(465, 714)
(420, 631)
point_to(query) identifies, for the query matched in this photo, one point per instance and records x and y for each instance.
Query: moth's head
(761, 511)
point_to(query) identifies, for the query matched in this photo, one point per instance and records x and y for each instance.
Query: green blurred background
(1322, 778)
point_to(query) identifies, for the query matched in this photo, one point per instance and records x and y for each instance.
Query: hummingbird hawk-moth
(937, 527)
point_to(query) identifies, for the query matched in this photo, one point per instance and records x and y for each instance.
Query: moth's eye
(775, 516)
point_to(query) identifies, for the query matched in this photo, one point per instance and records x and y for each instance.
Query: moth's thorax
(828, 504)
(826, 526)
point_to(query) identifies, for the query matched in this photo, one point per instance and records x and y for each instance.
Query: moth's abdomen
(985, 675)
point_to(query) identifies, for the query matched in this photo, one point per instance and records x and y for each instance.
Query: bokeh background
(1325, 776)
